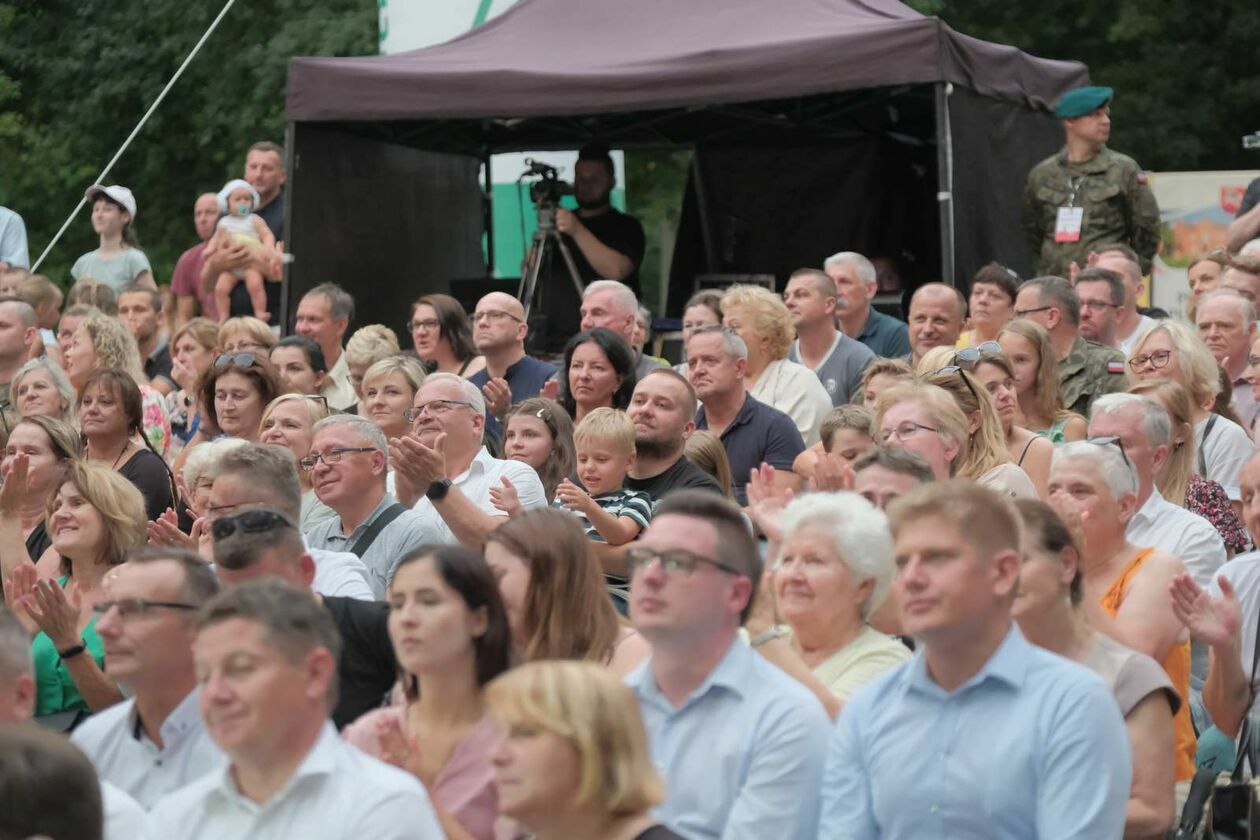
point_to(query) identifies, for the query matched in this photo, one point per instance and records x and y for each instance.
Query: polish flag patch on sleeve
(1115, 367)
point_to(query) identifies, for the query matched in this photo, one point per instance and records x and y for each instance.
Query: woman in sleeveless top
(1093, 487)
(1026, 345)
(1029, 451)
(442, 336)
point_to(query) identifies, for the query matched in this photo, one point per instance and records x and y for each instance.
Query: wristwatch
(778, 631)
(72, 651)
(438, 489)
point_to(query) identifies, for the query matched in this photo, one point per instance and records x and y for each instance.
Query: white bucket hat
(237, 184)
(120, 194)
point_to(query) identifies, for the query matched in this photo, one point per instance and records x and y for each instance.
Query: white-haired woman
(833, 569)
(762, 320)
(41, 387)
(1093, 486)
(1174, 351)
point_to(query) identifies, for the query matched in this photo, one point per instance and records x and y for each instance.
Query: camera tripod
(546, 239)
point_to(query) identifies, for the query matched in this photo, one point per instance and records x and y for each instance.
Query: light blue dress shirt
(743, 757)
(1033, 746)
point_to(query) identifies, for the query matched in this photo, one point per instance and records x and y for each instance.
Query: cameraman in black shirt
(606, 244)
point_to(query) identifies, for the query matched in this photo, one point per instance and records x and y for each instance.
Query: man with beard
(605, 244)
(663, 410)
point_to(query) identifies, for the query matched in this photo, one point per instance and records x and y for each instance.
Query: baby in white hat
(240, 223)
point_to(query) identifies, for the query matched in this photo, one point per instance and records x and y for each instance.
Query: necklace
(126, 446)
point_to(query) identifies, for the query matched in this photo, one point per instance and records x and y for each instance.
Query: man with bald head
(190, 294)
(936, 318)
(1130, 324)
(1227, 324)
(499, 332)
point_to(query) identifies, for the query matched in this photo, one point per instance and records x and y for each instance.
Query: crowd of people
(986, 571)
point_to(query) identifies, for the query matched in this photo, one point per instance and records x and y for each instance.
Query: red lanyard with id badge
(1067, 224)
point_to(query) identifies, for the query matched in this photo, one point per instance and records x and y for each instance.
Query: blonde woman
(389, 388)
(1026, 344)
(880, 375)
(245, 333)
(365, 348)
(103, 342)
(573, 760)
(192, 353)
(762, 320)
(1176, 479)
(706, 451)
(1172, 350)
(926, 420)
(1030, 452)
(987, 460)
(288, 421)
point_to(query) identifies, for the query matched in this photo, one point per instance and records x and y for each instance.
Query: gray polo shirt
(407, 532)
(841, 370)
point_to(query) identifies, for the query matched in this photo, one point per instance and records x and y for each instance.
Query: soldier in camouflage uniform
(1086, 369)
(1109, 191)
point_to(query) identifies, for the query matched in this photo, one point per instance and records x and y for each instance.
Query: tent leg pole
(286, 268)
(945, 181)
(487, 209)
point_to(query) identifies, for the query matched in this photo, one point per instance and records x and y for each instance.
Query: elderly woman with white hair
(833, 569)
(41, 387)
(1174, 351)
(1093, 487)
(762, 320)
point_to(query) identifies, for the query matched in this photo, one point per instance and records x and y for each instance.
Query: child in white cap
(240, 223)
(118, 261)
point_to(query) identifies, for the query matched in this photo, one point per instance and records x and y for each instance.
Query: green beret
(1079, 102)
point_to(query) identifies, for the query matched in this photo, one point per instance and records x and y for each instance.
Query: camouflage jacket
(1089, 370)
(1118, 202)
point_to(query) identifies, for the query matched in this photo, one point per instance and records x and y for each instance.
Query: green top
(1055, 432)
(55, 690)
(1118, 207)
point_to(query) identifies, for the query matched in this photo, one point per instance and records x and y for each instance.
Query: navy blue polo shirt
(525, 379)
(758, 433)
(885, 335)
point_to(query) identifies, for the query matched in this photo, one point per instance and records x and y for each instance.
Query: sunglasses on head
(1111, 440)
(236, 359)
(249, 522)
(969, 357)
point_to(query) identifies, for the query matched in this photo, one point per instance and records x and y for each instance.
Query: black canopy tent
(818, 125)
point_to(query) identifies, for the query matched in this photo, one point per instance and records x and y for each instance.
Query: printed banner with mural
(1195, 209)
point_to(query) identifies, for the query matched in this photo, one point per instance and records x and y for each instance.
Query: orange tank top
(1176, 665)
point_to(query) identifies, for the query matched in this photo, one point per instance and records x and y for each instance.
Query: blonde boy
(604, 441)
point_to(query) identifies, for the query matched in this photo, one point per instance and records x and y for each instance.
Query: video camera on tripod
(546, 193)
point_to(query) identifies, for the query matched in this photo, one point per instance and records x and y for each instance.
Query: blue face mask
(242, 208)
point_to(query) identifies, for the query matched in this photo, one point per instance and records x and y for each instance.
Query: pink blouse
(465, 785)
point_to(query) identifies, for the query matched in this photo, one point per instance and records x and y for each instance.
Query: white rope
(156, 102)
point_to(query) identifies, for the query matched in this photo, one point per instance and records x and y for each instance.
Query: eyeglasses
(411, 415)
(236, 359)
(1111, 440)
(1254, 361)
(130, 607)
(249, 522)
(968, 357)
(1024, 313)
(1158, 359)
(1099, 306)
(673, 560)
(426, 324)
(905, 431)
(332, 456)
(492, 315)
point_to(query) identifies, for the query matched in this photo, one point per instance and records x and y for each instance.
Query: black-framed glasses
(411, 415)
(1111, 440)
(1024, 313)
(905, 431)
(236, 359)
(426, 324)
(332, 456)
(1100, 305)
(969, 357)
(137, 607)
(673, 561)
(249, 522)
(321, 399)
(494, 315)
(1158, 359)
